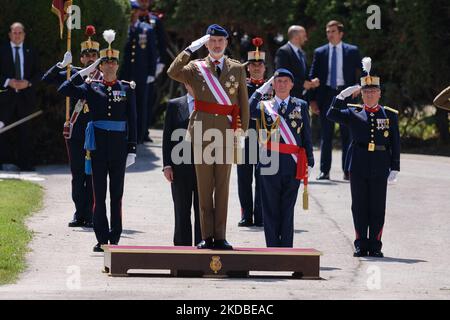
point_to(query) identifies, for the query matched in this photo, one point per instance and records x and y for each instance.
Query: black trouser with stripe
(108, 160)
(368, 208)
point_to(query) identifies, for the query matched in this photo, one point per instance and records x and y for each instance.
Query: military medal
(228, 84)
(298, 131)
(232, 91)
(386, 134)
(293, 124)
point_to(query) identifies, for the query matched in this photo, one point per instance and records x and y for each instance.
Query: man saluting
(220, 91)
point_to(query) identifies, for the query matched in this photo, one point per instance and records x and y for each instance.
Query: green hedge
(42, 30)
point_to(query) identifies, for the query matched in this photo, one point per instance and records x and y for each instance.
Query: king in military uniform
(285, 136)
(110, 137)
(81, 182)
(220, 92)
(373, 159)
(251, 213)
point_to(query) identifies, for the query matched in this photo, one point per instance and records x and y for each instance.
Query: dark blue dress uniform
(82, 194)
(108, 102)
(373, 153)
(139, 63)
(161, 45)
(250, 211)
(279, 191)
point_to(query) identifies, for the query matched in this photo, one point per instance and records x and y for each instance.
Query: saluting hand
(197, 44)
(348, 92)
(265, 88)
(66, 61)
(88, 70)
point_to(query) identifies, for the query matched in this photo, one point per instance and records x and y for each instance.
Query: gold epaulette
(132, 84)
(235, 61)
(361, 107)
(391, 109)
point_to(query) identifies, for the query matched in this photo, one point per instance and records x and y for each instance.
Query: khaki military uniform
(213, 179)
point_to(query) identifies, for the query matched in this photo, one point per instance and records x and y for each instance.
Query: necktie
(333, 75)
(218, 70)
(283, 107)
(17, 66)
(302, 59)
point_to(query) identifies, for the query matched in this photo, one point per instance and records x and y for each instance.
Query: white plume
(109, 36)
(367, 64)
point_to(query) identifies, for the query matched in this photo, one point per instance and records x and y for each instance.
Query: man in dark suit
(293, 58)
(337, 65)
(18, 78)
(181, 175)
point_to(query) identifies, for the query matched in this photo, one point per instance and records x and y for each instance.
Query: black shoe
(245, 223)
(346, 177)
(376, 254)
(259, 224)
(360, 253)
(89, 225)
(323, 176)
(76, 223)
(206, 244)
(98, 248)
(222, 245)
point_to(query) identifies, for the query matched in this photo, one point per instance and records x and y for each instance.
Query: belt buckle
(371, 147)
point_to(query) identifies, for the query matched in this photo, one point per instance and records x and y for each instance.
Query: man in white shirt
(337, 65)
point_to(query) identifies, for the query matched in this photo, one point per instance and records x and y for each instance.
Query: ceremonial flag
(59, 8)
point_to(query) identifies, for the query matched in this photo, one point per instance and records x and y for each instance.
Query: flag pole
(69, 48)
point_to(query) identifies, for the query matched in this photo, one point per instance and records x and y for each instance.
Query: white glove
(88, 70)
(393, 176)
(131, 159)
(265, 88)
(197, 44)
(348, 92)
(66, 61)
(150, 79)
(159, 69)
(2, 124)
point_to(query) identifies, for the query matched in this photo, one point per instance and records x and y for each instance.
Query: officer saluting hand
(110, 137)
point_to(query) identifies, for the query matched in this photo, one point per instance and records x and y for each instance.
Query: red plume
(258, 42)
(90, 31)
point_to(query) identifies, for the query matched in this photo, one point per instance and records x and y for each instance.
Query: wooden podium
(192, 262)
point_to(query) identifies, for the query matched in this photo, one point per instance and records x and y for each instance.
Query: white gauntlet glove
(309, 171)
(197, 44)
(393, 176)
(66, 61)
(2, 124)
(159, 69)
(131, 159)
(88, 70)
(348, 92)
(265, 88)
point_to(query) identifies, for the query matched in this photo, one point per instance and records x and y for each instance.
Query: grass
(18, 199)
